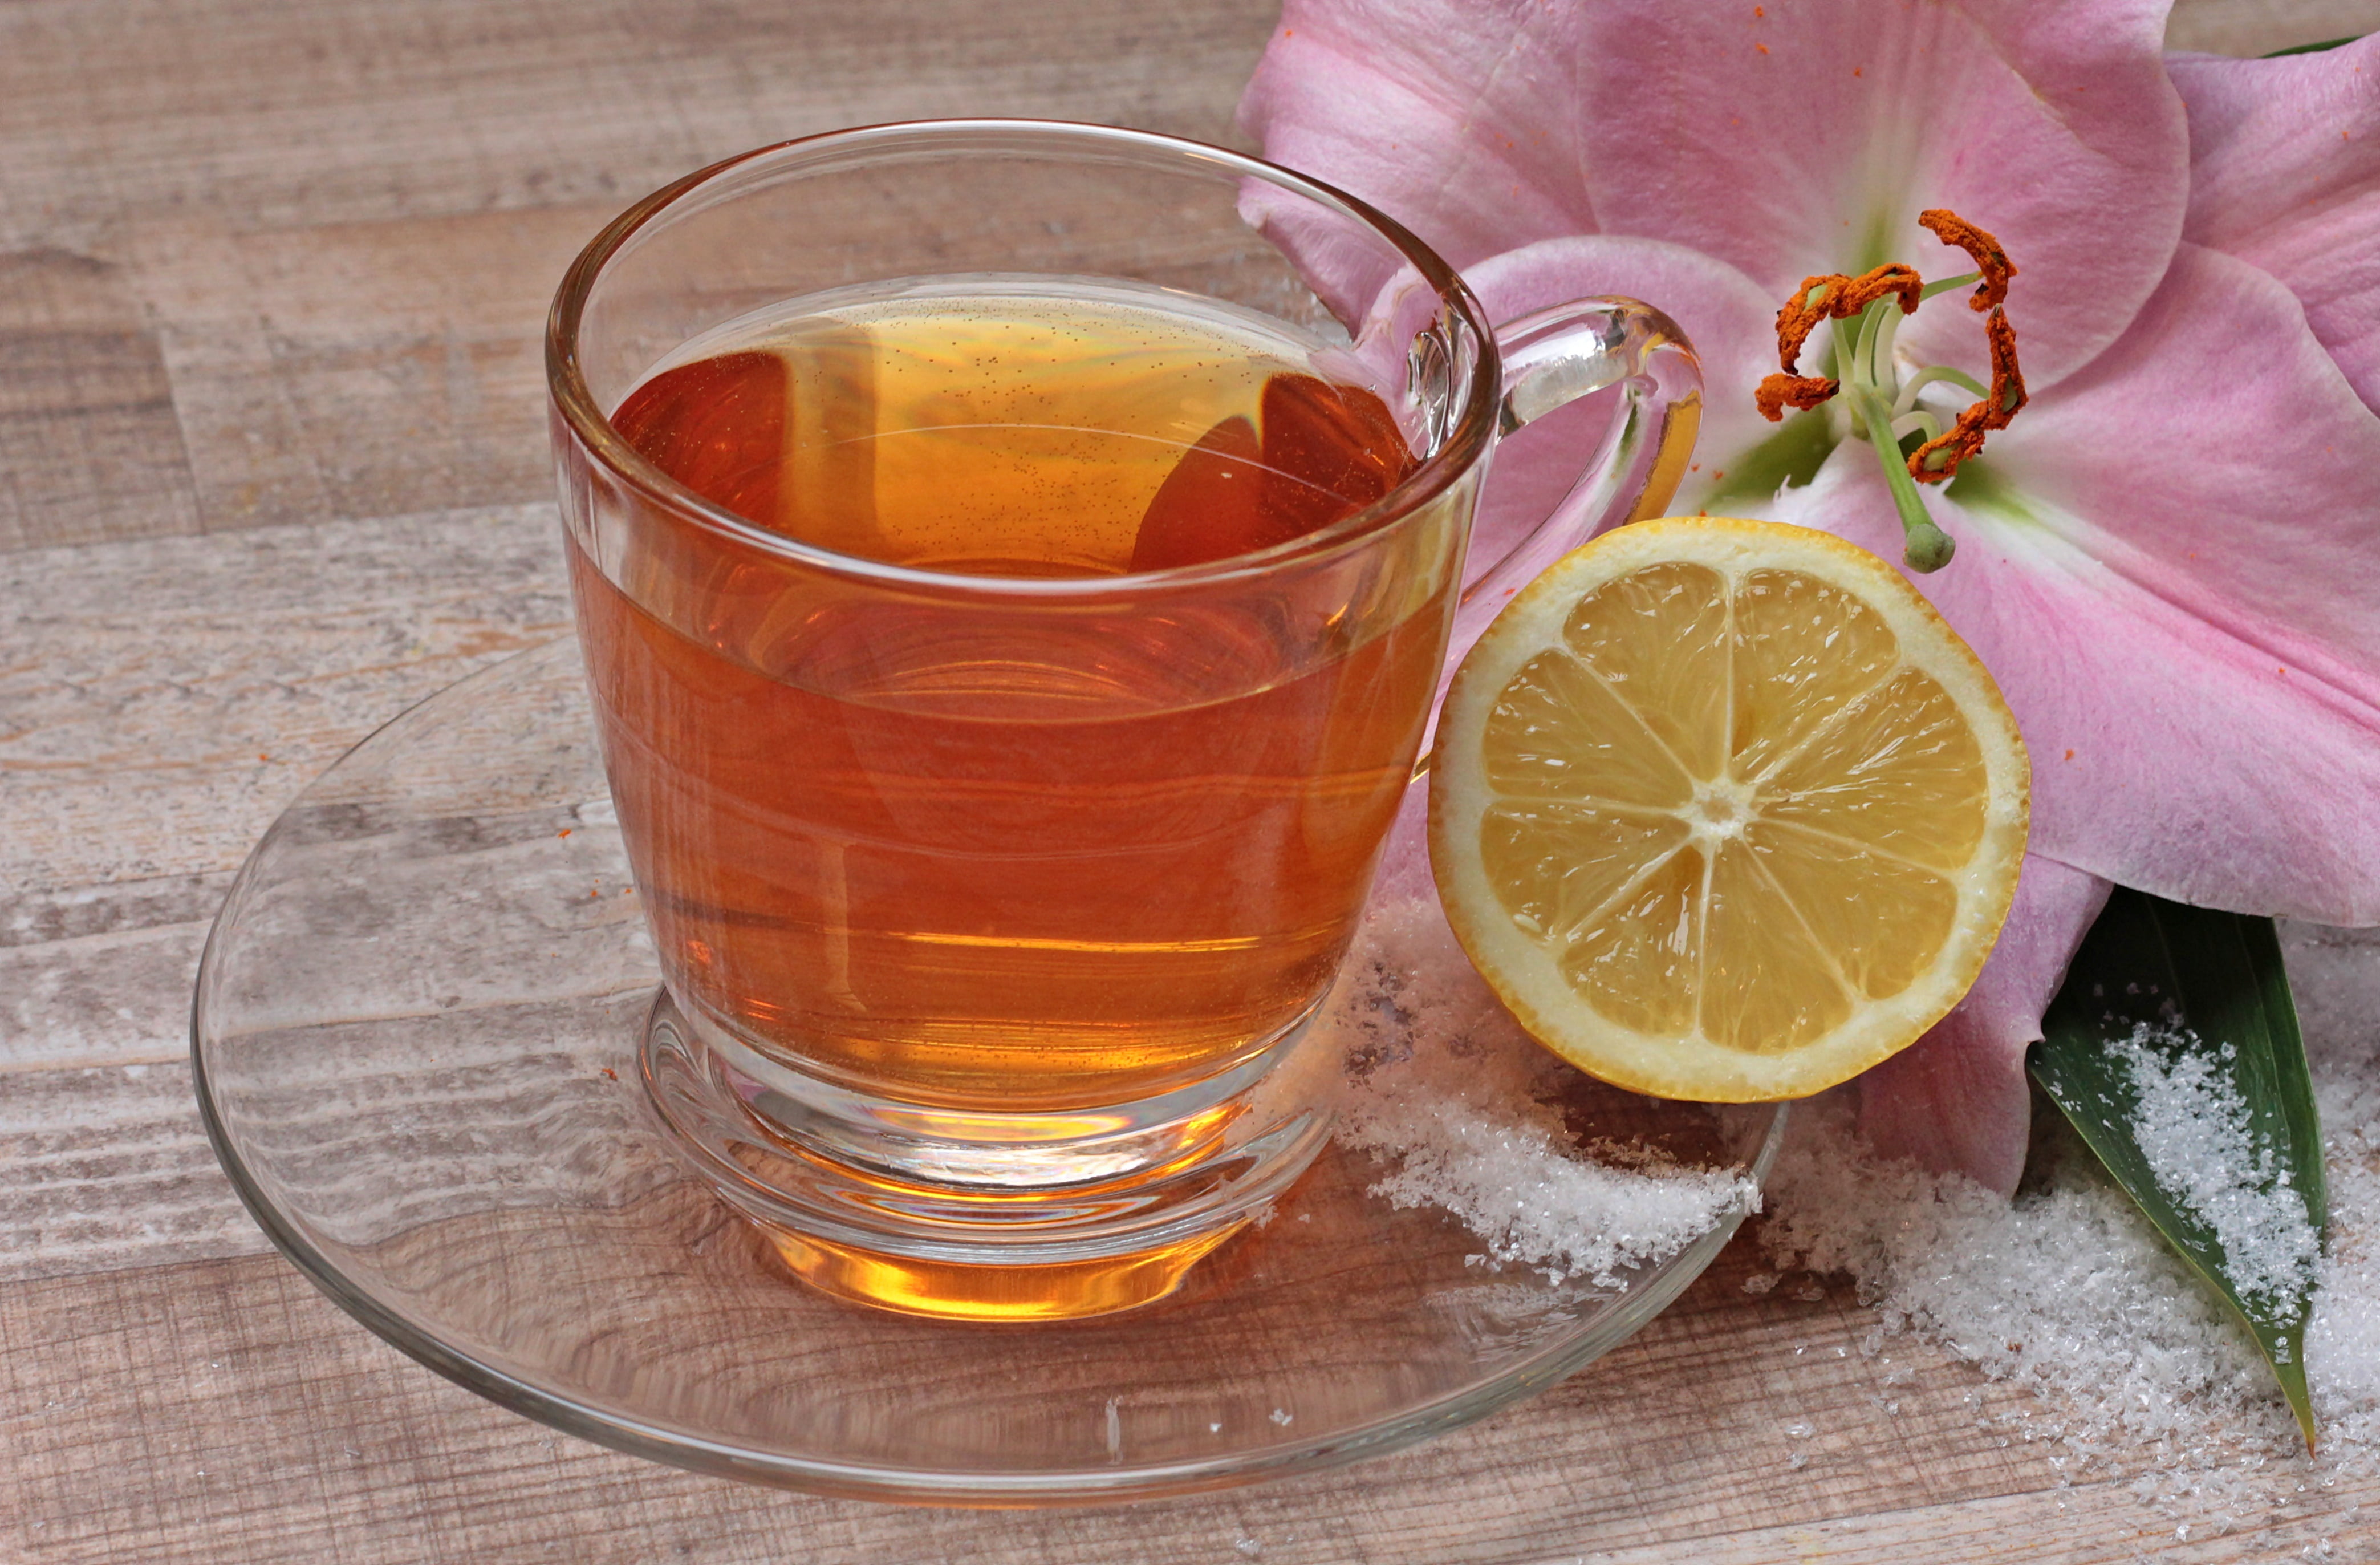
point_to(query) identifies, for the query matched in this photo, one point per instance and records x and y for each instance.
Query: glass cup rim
(1466, 443)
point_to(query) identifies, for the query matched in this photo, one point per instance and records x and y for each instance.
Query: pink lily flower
(2171, 561)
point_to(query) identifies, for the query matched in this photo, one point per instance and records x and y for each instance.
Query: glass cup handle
(1553, 357)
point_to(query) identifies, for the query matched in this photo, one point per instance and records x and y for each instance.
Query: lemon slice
(1722, 810)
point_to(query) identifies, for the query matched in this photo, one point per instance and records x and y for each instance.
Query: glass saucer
(415, 1039)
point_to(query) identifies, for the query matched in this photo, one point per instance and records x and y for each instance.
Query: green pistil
(1878, 401)
(1923, 545)
(1936, 375)
(1964, 280)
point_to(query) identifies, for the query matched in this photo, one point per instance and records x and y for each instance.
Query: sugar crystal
(2194, 1132)
(1444, 1087)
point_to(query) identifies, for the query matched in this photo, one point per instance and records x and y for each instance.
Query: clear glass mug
(993, 908)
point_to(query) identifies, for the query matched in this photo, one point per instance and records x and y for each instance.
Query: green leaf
(2163, 993)
(2325, 46)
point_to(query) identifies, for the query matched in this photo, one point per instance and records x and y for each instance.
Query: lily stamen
(1939, 457)
(1833, 297)
(1780, 392)
(1883, 409)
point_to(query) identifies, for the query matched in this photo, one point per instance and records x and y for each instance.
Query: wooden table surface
(272, 466)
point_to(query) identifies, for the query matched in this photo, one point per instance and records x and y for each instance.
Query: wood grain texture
(165, 702)
(100, 974)
(362, 368)
(103, 1167)
(243, 1392)
(284, 114)
(90, 446)
(263, 1425)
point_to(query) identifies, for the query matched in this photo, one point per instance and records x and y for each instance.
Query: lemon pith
(1723, 810)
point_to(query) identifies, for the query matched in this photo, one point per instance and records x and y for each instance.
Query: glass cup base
(956, 1216)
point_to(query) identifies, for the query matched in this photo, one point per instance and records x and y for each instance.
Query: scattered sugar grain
(2066, 1291)
(1442, 1084)
(2195, 1133)
(2068, 1294)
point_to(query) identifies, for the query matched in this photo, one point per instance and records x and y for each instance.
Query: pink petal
(1805, 135)
(2217, 458)
(1957, 1099)
(2168, 755)
(2285, 172)
(1455, 119)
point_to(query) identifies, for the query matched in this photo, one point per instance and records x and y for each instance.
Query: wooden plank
(36, 917)
(221, 1411)
(90, 446)
(2086, 1524)
(165, 702)
(118, 999)
(106, 1167)
(321, 239)
(102, 976)
(161, 703)
(361, 369)
(290, 112)
(2258, 27)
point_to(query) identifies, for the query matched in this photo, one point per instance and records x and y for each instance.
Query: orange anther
(1989, 258)
(1780, 392)
(1833, 297)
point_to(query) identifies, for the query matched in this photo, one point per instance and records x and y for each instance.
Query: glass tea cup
(1013, 602)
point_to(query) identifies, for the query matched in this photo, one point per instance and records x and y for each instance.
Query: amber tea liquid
(1060, 859)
